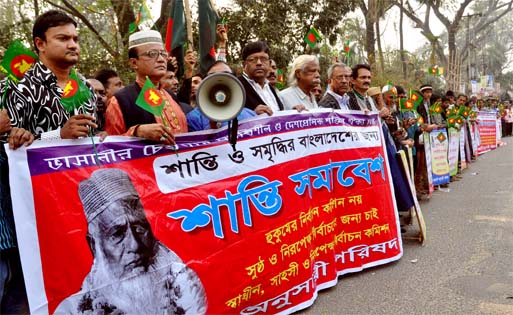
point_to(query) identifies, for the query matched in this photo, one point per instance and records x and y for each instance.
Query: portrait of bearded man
(132, 271)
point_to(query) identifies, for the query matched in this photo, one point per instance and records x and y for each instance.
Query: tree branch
(69, 8)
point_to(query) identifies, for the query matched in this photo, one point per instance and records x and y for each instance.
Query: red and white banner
(305, 198)
(488, 131)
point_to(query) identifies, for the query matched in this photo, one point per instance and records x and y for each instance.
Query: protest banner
(463, 156)
(439, 162)
(305, 198)
(487, 124)
(427, 147)
(454, 148)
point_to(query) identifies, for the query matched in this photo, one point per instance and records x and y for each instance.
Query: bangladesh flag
(175, 34)
(407, 105)
(434, 70)
(436, 108)
(312, 37)
(280, 81)
(17, 60)
(142, 15)
(347, 48)
(150, 99)
(416, 97)
(208, 20)
(451, 121)
(464, 111)
(75, 93)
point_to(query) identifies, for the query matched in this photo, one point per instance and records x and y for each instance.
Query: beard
(167, 286)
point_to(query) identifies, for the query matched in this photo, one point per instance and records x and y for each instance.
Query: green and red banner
(306, 197)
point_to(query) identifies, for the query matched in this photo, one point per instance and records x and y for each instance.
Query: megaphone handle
(232, 132)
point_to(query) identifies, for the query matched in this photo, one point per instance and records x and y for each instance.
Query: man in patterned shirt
(34, 104)
(34, 109)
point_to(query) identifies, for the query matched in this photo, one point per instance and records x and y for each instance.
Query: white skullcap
(104, 187)
(144, 37)
(389, 88)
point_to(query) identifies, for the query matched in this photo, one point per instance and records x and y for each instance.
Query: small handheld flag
(150, 99)
(75, 93)
(17, 60)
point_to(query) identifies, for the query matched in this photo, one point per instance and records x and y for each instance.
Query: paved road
(466, 265)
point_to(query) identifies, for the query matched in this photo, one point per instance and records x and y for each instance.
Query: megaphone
(221, 97)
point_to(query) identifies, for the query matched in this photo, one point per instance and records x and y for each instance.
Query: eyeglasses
(262, 59)
(154, 54)
(101, 92)
(341, 77)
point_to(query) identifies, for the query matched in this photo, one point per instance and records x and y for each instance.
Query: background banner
(487, 124)
(439, 161)
(139, 228)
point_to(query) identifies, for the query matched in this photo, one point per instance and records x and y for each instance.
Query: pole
(188, 24)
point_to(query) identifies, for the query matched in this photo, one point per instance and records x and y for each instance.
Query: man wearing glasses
(260, 96)
(339, 76)
(148, 58)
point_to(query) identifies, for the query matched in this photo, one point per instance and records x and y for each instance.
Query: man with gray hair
(303, 77)
(336, 97)
(132, 271)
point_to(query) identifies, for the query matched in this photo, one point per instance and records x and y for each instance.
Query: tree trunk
(125, 16)
(401, 43)
(380, 50)
(370, 39)
(453, 64)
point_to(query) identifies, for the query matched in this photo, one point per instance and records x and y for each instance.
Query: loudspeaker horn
(221, 97)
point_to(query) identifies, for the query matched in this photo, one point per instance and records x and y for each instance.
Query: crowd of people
(32, 109)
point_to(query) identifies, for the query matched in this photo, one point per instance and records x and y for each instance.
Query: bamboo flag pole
(188, 24)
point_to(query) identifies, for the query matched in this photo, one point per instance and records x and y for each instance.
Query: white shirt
(293, 96)
(343, 100)
(265, 93)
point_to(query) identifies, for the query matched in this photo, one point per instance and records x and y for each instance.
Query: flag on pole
(280, 81)
(17, 60)
(434, 70)
(208, 20)
(347, 49)
(142, 15)
(150, 99)
(75, 93)
(176, 34)
(312, 37)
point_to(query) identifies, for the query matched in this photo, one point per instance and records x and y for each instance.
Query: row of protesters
(34, 111)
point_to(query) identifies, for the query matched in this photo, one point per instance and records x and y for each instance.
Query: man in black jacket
(260, 96)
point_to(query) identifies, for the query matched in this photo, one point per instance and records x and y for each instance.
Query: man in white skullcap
(132, 271)
(148, 58)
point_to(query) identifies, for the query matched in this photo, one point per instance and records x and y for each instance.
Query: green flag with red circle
(150, 99)
(17, 60)
(312, 37)
(75, 93)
